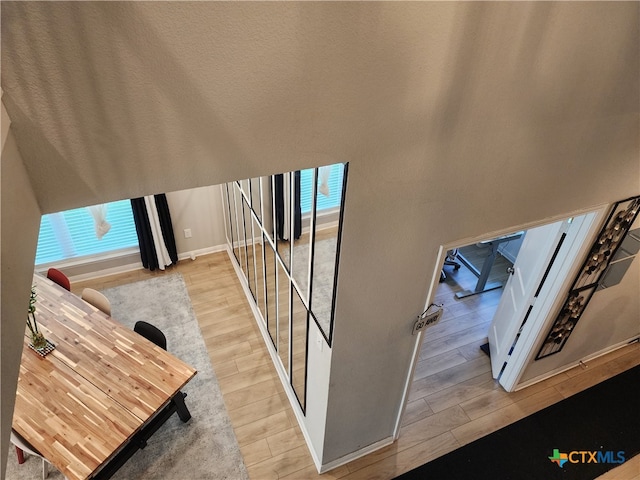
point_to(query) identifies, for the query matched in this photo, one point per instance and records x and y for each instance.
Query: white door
(536, 252)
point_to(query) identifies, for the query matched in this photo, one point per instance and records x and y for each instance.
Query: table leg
(139, 441)
(181, 407)
(483, 274)
(486, 267)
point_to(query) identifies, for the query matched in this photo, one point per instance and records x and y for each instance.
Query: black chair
(155, 335)
(151, 333)
(451, 261)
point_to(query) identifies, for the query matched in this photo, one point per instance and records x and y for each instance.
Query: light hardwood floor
(453, 400)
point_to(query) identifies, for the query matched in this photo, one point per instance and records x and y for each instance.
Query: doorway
(451, 352)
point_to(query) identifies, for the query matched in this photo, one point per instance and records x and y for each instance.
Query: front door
(534, 257)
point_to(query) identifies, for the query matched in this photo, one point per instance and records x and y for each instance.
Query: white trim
(284, 379)
(551, 296)
(106, 272)
(407, 384)
(564, 368)
(275, 359)
(355, 455)
(96, 266)
(90, 259)
(435, 281)
(192, 254)
(134, 263)
(525, 226)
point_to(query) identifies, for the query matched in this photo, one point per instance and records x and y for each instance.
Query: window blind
(324, 202)
(71, 234)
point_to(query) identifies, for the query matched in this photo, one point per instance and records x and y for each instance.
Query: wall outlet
(187, 233)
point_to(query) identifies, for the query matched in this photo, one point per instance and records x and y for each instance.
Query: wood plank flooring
(453, 400)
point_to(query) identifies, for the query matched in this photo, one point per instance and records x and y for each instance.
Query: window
(329, 188)
(72, 234)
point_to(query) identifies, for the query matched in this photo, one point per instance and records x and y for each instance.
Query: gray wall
(201, 211)
(20, 216)
(457, 120)
(514, 130)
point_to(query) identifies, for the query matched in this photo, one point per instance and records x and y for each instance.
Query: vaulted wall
(457, 120)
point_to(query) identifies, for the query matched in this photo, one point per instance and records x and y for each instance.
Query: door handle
(510, 270)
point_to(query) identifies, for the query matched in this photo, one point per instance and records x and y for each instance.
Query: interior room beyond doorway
(450, 352)
(452, 370)
(473, 281)
(488, 261)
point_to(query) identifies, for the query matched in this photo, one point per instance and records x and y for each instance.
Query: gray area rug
(206, 446)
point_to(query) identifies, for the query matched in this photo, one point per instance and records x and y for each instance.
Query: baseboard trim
(105, 272)
(96, 267)
(355, 455)
(320, 467)
(577, 363)
(192, 254)
(275, 360)
(129, 262)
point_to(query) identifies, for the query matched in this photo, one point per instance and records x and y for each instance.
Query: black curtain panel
(145, 236)
(166, 226)
(297, 209)
(279, 202)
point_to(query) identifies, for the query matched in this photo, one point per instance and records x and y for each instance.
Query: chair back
(97, 299)
(151, 333)
(58, 277)
(22, 444)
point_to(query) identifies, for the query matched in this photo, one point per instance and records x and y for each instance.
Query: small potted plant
(37, 338)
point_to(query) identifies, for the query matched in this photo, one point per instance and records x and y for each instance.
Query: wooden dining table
(92, 402)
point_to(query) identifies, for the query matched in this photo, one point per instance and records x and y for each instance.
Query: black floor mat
(596, 430)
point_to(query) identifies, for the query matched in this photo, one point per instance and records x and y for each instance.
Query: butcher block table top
(81, 403)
